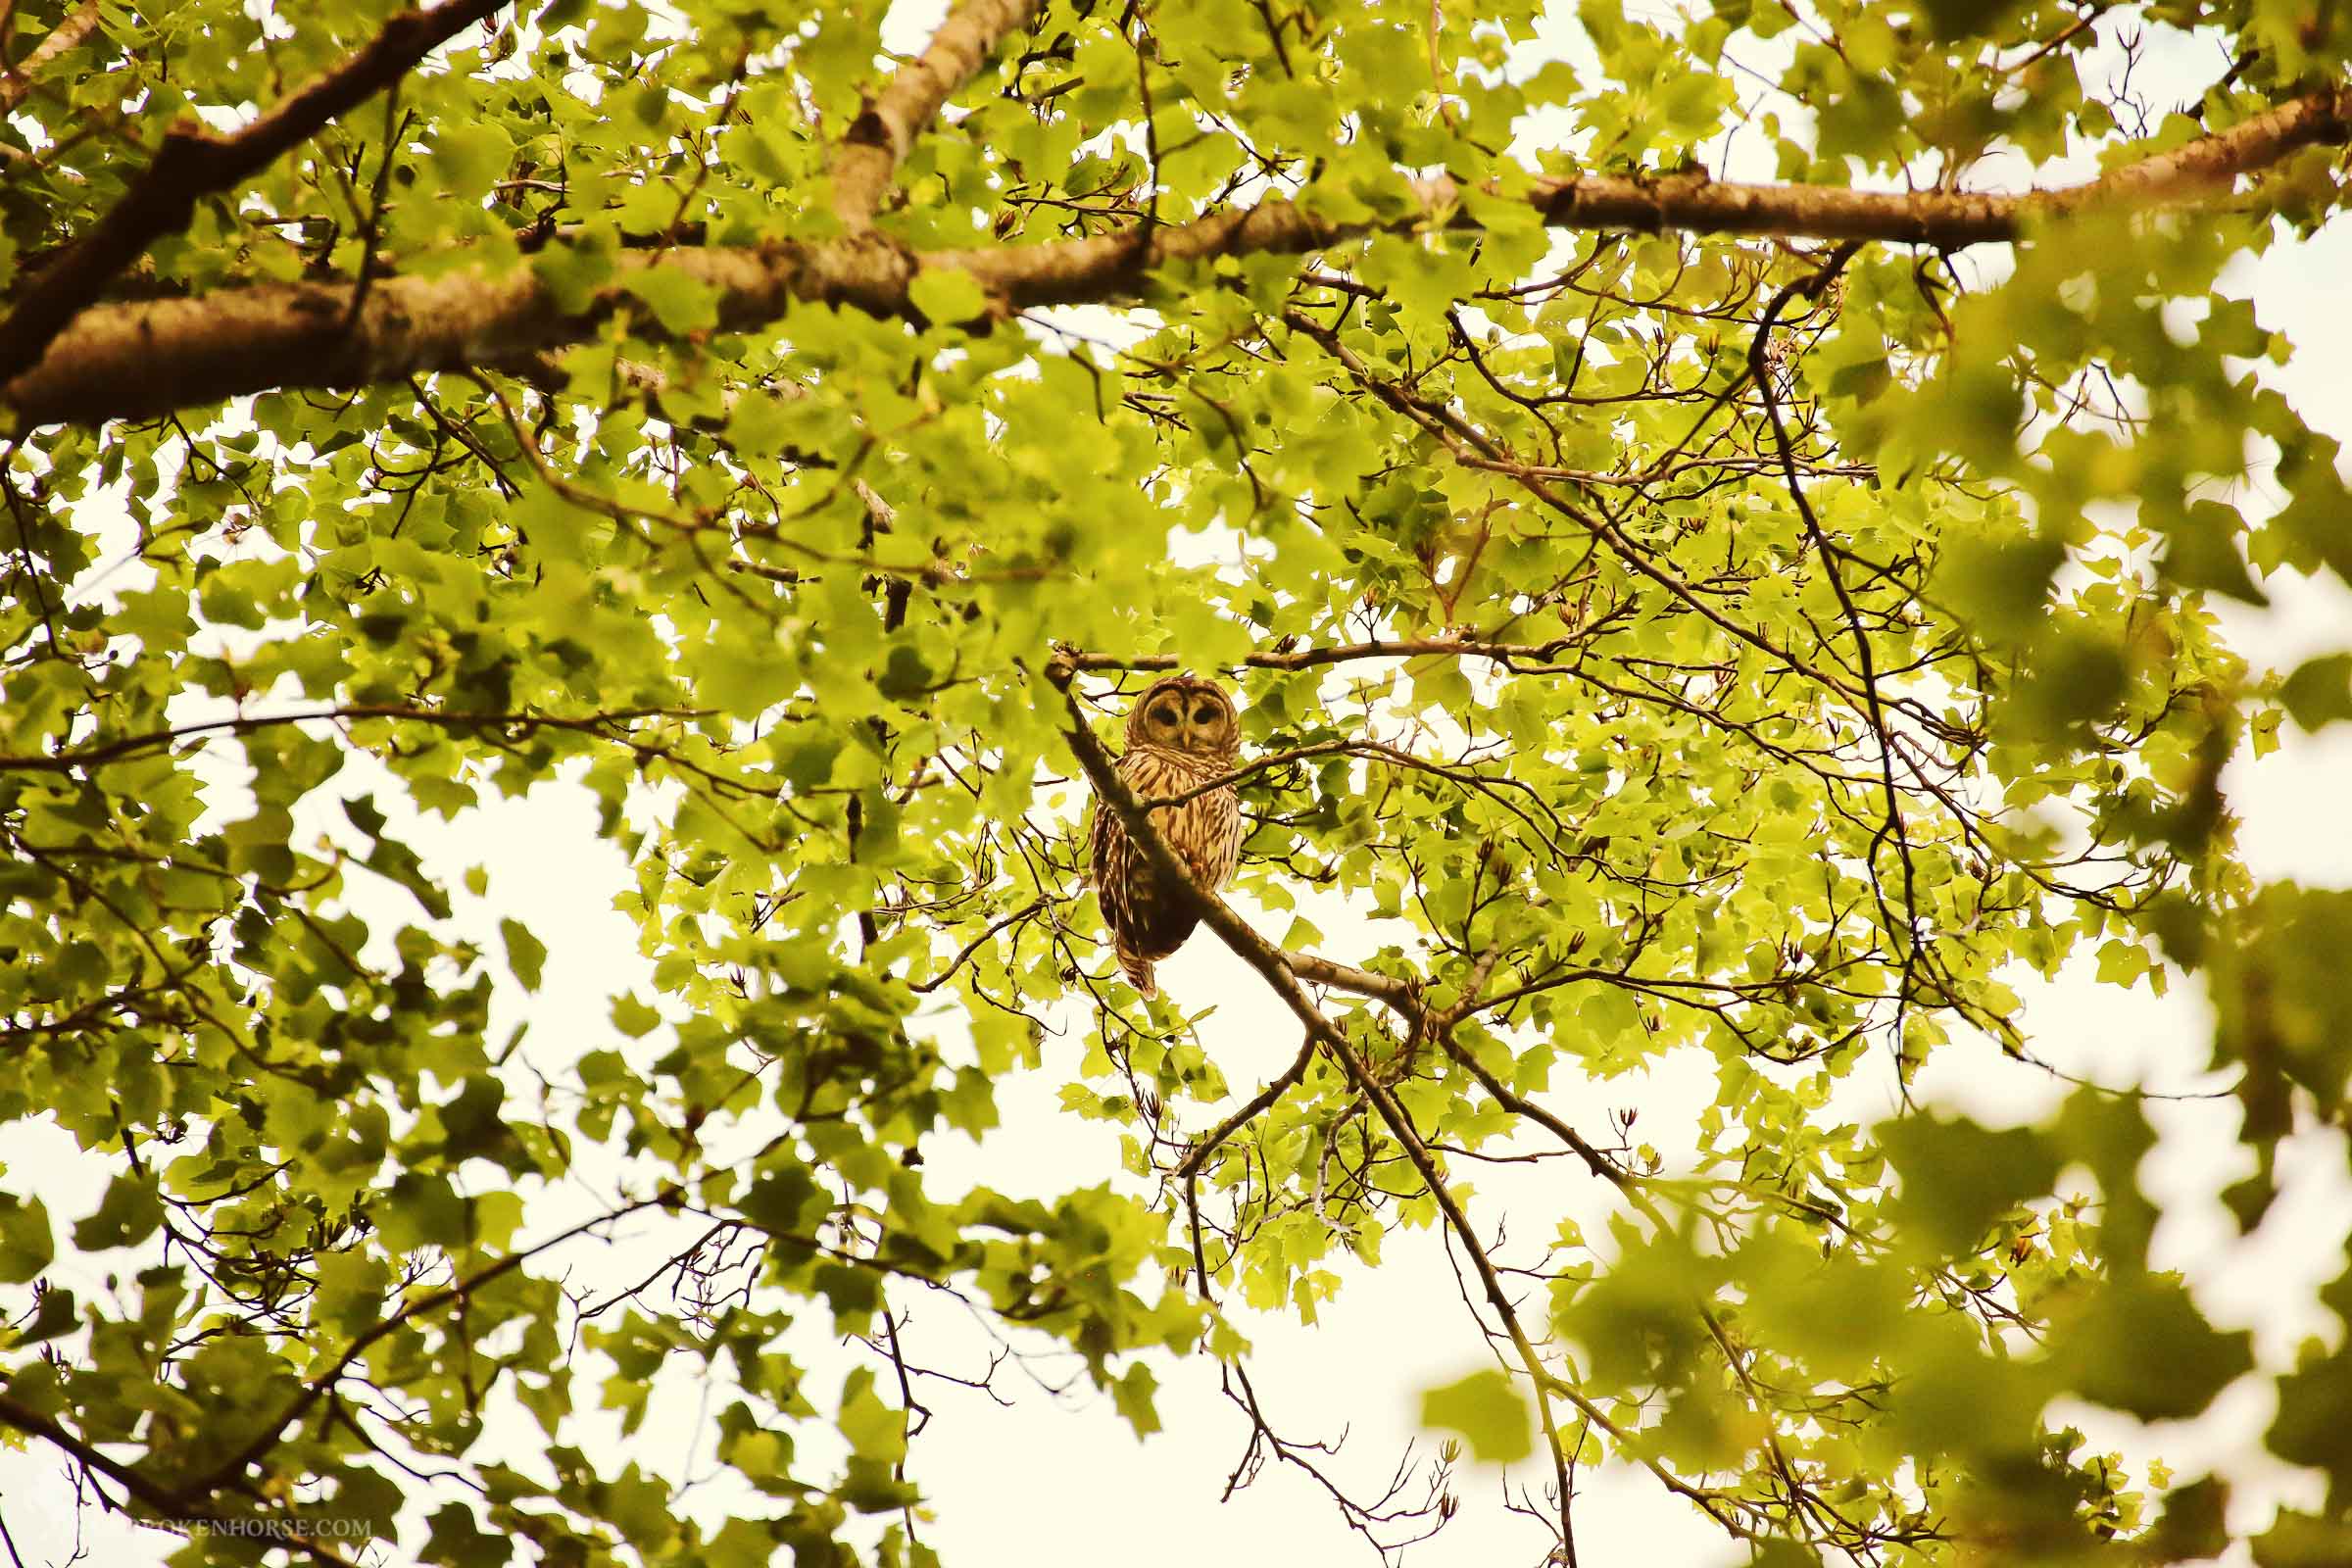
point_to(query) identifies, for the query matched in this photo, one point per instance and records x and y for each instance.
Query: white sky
(1060, 1479)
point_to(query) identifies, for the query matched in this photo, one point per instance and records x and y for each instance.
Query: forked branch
(878, 139)
(193, 162)
(1274, 966)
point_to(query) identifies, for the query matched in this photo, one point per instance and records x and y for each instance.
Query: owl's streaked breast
(1149, 915)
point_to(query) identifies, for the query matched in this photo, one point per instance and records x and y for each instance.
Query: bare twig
(453, 1294)
(164, 1503)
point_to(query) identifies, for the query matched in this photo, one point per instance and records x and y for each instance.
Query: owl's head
(1186, 713)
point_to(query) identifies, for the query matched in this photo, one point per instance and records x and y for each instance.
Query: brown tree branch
(165, 1504)
(1309, 657)
(1085, 271)
(67, 34)
(1274, 966)
(135, 361)
(878, 139)
(1402, 995)
(99, 753)
(140, 360)
(193, 162)
(452, 1294)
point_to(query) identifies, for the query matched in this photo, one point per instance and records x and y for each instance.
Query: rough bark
(144, 360)
(69, 34)
(876, 141)
(193, 162)
(136, 360)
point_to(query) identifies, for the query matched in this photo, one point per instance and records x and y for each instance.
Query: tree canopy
(1713, 521)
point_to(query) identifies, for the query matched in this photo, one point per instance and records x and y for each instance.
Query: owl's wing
(1109, 841)
(1114, 888)
(1221, 839)
(1098, 846)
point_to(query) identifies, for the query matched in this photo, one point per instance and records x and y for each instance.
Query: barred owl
(1180, 735)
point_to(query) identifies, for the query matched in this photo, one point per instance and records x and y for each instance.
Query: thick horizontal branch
(99, 753)
(193, 162)
(141, 360)
(1402, 995)
(1084, 270)
(1345, 652)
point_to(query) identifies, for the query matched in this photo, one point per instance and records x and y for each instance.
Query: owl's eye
(1165, 715)
(1206, 715)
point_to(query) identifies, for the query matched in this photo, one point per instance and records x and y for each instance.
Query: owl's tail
(1139, 971)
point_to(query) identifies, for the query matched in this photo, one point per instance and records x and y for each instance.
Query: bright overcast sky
(1058, 1480)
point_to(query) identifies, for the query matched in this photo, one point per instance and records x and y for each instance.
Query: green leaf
(948, 294)
(1132, 1394)
(2310, 1429)
(574, 270)
(682, 303)
(1489, 1413)
(526, 955)
(471, 156)
(54, 1315)
(2202, 553)
(874, 1428)
(1957, 1177)
(2320, 691)
(2140, 1346)
(25, 1243)
(128, 1214)
(1969, 18)
(1998, 586)
(457, 1538)
(633, 1017)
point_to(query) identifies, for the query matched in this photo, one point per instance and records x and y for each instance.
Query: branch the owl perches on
(1180, 734)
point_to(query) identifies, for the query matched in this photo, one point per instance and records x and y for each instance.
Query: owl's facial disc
(1188, 715)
